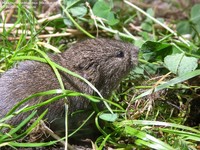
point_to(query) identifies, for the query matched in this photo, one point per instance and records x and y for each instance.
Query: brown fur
(103, 62)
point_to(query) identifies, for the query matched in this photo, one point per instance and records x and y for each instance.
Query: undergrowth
(155, 107)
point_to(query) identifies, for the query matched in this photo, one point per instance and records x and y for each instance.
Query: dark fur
(103, 62)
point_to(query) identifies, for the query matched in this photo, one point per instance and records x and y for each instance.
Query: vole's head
(104, 62)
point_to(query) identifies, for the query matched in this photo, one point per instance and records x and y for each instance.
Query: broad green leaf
(150, 11)
(111, 19)
(102, 9)
(78, 11)
(180, 64)
(68, 22)
(147, 24)
(153, 51)
(195, 14)
(108, 117)
(184, 27)
(154, 46)
(70, 3)
(197, 28)
(151, 68)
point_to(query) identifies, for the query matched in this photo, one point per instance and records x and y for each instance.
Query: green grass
(152, 106)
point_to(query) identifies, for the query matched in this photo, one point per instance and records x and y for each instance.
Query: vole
(103, 62)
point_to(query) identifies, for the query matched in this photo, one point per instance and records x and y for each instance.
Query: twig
(42, 36)
(93, 17)
(55, 136)
(58, 16)
(2, 13)
(11, 12)
(9, 25)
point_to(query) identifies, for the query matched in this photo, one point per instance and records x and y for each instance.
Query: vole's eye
(120, 54)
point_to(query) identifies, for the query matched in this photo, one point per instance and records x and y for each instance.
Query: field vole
(104, 62)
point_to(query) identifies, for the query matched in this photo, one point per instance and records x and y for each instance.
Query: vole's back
(101, 61)
(25, 79)
(32, 77)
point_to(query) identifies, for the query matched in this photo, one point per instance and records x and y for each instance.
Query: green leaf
(180, 64)
(151, 68)
(78, 11)
(153, 51)
(195, 14)
(111, 19)
(103, 10)
(70, 3)
(150, 11)
(68, 22)
(147, 24)
(197, 28)
(108, 117)
(184, 27)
